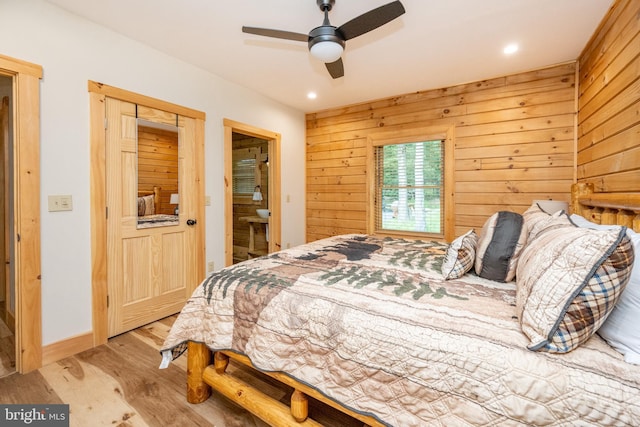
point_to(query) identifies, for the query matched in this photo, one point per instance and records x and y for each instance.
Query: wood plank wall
(609, 103)
(514, 143)
(158, 165)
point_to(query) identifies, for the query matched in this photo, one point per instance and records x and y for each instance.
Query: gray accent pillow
(502, 238)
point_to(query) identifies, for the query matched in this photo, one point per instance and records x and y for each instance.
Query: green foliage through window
(410, 187)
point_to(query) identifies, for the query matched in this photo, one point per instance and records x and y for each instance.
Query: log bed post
(199, 358)
(265, 407)
(220, 362)
(579, 190)
(203, 377)
(299, 406)
(606, 208)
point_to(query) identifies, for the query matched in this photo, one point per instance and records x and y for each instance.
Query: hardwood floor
(119, 384)
(7, 346)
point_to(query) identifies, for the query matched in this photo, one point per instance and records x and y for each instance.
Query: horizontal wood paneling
(609, 103)
(158, 165)
(514, 143)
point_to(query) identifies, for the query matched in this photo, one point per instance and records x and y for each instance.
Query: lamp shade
(327, 51)
(175, 199)
(257, 194)
(552, 206)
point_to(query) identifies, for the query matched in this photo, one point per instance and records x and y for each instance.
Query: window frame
(443, 133)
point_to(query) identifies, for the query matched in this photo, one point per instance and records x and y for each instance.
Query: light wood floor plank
(7, 355)
(28, 388)
(91, 390)
(119, 384)
(7, 346)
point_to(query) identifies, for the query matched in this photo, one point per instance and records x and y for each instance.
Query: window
(409, 185)
(246, 175)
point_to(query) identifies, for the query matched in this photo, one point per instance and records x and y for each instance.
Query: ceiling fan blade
(336, 68)
(279, 34)
(371, 20)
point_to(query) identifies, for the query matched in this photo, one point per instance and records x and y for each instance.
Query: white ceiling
(435, 44)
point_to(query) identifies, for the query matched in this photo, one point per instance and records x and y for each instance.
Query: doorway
(261, 190)
(7, 284)
(21, 210)
(250, 197)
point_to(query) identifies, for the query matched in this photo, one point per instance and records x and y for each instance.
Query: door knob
(191, 222)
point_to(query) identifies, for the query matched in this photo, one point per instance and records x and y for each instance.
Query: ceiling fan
(327, 42)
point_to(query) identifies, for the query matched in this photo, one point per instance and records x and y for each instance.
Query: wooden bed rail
(606, 208)
(202, 375)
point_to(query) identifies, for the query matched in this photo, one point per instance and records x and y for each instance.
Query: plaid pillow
(568, 281)
(535, 219)
(146, 205)
(460, 256)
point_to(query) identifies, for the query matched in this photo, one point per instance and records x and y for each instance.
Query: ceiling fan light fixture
(327, 51)
(327, 42)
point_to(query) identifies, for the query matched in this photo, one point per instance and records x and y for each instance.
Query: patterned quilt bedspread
(157, 220)
(370, 323)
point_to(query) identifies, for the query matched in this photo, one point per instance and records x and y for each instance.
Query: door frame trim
(26, 208)
(98, 92)
(273, 139)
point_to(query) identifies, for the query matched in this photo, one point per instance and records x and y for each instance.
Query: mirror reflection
(158, 190)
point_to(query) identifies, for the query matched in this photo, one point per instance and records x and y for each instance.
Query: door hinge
(106, 121)
(107, 300)
(106, 212)
(18, 237)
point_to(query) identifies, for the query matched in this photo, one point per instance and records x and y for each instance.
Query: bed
(148, 203)
(371, 326)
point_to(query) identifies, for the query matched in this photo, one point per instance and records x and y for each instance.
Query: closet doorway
(252, 193)
(20, 195)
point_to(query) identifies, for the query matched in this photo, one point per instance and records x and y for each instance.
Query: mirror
(158, 189)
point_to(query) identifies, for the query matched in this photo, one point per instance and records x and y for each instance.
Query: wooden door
(150, 271)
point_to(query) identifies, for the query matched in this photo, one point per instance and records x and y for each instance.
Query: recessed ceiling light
(510, 49)
(312, 95)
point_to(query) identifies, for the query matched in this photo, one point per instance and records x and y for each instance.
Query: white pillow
(535, 218)
(621, 328)
(581, 221)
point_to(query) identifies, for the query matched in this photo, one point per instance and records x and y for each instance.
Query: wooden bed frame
(606, 208)
(156, 195)
(206, 370)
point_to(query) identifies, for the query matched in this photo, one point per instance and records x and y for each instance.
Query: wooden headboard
(156, 195)
(606, 208)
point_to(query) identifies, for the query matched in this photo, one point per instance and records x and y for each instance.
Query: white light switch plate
(60, 203)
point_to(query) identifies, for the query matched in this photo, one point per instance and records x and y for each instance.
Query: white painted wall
(72, 51)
